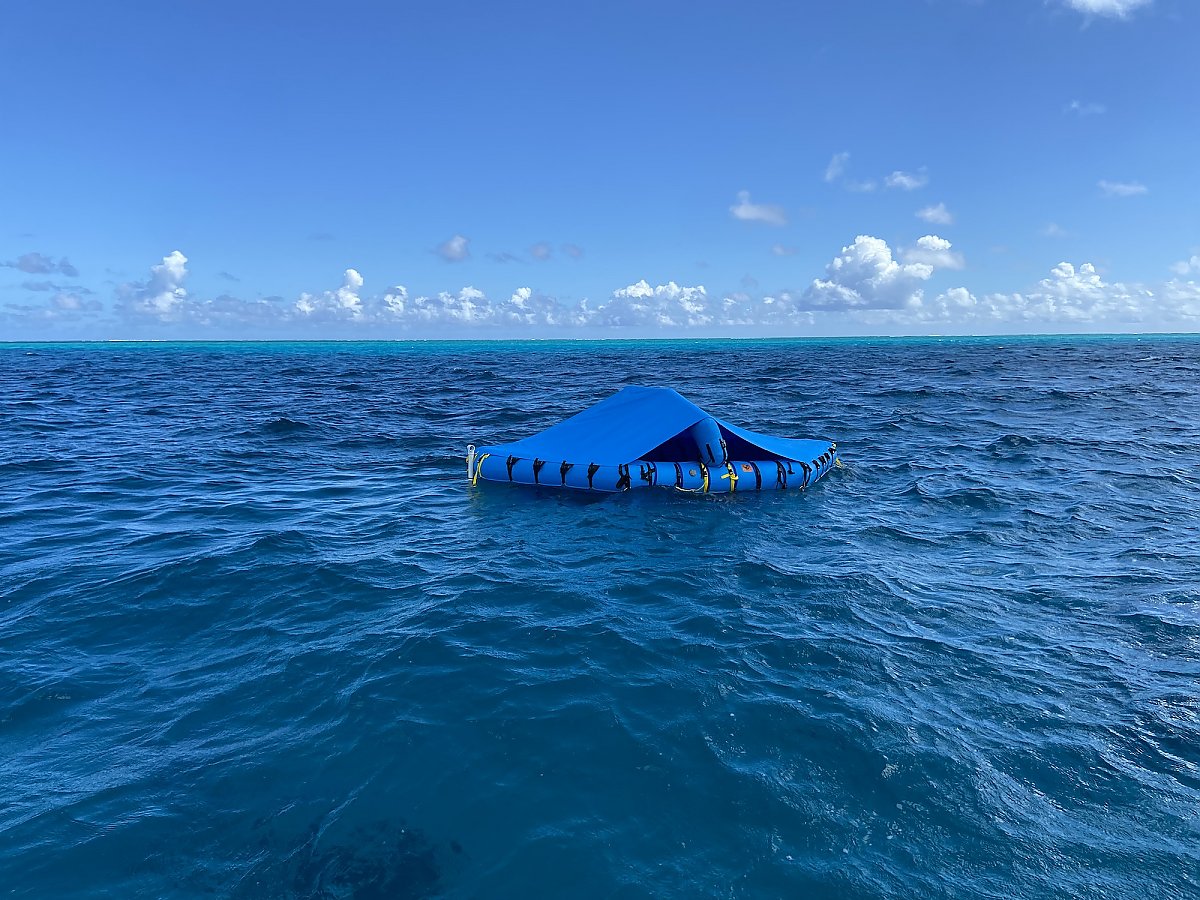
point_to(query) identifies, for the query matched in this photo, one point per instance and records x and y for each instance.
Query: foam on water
(259, 638)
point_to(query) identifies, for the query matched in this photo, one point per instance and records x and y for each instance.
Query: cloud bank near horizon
(869, 285)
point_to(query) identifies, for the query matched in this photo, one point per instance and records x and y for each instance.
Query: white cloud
(456, 249)
(70, 300)
(541, 251)
(866, 275)
(1083, 110)
(345, 302)
(1073, 295)
(868, 286)
(907, 181)
(1054, 230)
(1117, 9)
(668, 305)
(1187, 266)
(1122, 188)
(781, 250)
(934, 251)
(163, 295)
(836, 171)
(757, 212)
(861, 187)
(936, 215)
(836, 167)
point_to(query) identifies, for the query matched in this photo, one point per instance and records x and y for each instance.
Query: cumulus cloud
(344, 302)
(40, 264)
(1122, 188)
(934, 251)
(467, 306)
(1071, 297)
(907, 181)
(162, 299)
(1116, 9)
(757, 212)
(1083, 110)
(162, 296)
(867, 286)
(1187, 266)
(456, 249)
(936, 215)
(867, 275)
(667, 305)
(1072, 294)
(836, 167)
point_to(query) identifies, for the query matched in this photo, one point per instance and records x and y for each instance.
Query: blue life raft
(645, 437)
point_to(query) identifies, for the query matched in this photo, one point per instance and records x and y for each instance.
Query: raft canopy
(650, 424)
(646, 437)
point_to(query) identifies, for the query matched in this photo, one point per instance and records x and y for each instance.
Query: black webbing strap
(512, 460)
(711, 456)
(592, 470)
(807, 472)
(704, 475)
(678, 476)
(563, 470)
(757, 476)
(623, 483)
(724, 451)
(780, 476)
(537, 468)
(649, 473)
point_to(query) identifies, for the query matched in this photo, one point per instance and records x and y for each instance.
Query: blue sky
(383, 170)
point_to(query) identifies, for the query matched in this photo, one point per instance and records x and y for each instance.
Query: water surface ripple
(258, 637)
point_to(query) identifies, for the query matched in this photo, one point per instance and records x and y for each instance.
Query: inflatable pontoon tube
(652, 437)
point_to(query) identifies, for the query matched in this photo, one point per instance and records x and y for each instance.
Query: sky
(225, 170)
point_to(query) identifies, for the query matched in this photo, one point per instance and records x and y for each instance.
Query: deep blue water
(258, 637)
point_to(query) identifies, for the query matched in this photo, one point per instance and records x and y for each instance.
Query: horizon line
(600, 339)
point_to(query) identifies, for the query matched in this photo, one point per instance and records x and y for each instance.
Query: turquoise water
(258, 637)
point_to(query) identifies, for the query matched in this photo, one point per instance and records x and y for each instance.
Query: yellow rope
(479, 468)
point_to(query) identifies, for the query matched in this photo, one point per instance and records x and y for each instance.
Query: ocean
(260, 638)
